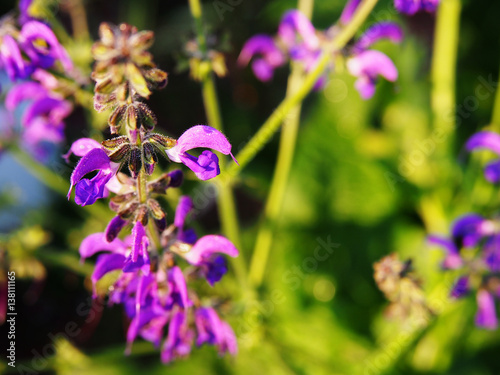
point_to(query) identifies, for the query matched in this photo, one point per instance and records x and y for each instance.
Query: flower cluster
(27, 53)
(155, 297)
(297, 40)
(152, 286)
(474, 251)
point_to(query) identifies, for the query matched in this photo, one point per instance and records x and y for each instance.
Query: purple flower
(486, 316)
(204, 254)
(11, 59)
(382, 30)
(461, 287)
(42, 46)
(469, 229)
(269, 56)
(206, 166)
(24, 14)
(178, 293)
(489, 141)
(87, 191)
(138, 257)
(367, 66)
(298, 34)
(213, 331)
(184, 207)
(42, 120)
(411, 7)
(179, 340)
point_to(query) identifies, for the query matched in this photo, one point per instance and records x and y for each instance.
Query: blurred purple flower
(269, 56)
(206, 166)
(179, 340)
(411, 7)
(487, 140)
(486, 316)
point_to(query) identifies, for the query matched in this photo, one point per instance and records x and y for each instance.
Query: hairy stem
(286, 151)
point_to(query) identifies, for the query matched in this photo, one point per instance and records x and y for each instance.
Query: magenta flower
(349, 10)
(94, 158)
(266, 56)
(204, 254)
(11, 59)
(486, 316)
(179, 340)
(367, 64)
(411, 7)
(214, 331)
(42, 120)
(206, 166)
(487, 140)
(42, 47)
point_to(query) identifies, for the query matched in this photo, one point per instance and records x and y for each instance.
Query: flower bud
(147, 117)
(131, 117)
(155, 209)
(120, 153)
(135, 162)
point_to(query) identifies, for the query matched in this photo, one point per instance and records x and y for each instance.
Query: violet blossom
(487, 140)
(470, 232)
(206, 166)
(411, 7)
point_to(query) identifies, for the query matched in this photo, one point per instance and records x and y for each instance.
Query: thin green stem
(272, 124)
(282, 169)
(225, 200)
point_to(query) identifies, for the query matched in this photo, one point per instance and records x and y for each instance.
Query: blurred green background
(317, 315)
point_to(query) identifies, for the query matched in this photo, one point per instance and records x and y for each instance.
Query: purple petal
(188, 236)
(262, 45)
(24, 15)
(214, 268)
(81, 147)
(486, 316)
(453, 259)
(383, 30)
(138, 237)
(461, 287)
(202, 136)
(409, 7)
(468, 230)
(179, 339)
(205, 167)
(229, 343)
(24, 91)
(55, 109)
(349, 10)
(208, 326)
(491, 253)
(293, 23)
(106, 263)
(94, 160)
(492, 172)
(15, 66)
(262, 70)
(367, 66)
(176, 178)
(178, 293)
(184, 207)
(208, 245)
(44, 57)
(114, 227)
(484, 140)
(97, 242)
(430, 5)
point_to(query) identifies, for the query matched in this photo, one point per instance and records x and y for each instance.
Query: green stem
(444, 67)
(282, 169)
(225, 199)
(272, 124)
